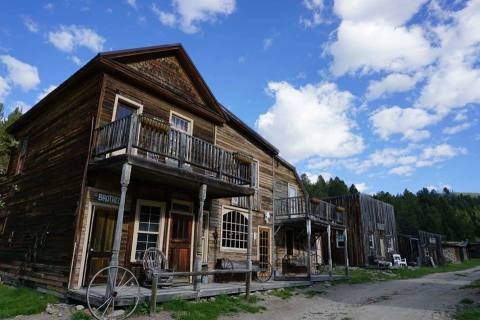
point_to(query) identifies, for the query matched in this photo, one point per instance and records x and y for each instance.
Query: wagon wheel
(113, 293)
(265, 272)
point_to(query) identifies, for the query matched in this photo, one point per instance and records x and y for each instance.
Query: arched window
(234, 230)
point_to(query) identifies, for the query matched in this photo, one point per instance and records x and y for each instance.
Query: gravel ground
(432, 297)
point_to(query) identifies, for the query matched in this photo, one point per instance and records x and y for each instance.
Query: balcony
(295, 208)
(152, 144)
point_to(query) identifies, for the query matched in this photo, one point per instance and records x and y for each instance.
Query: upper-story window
(125, 107)
(255, 173)
(181, 123)
(292, 191)
(22, 155)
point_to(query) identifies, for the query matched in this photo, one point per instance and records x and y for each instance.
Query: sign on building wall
(105, 198)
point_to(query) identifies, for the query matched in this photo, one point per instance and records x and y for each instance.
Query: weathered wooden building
(371, 229)
(137, 134)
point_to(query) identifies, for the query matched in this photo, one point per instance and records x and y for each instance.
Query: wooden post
(329, 241)
(309, 249)
(198, 235)
(153, 296)
(345, 238)
(124, 181)
(248, 276)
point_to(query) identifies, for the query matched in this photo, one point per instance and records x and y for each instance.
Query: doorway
(99, 249)
(264, 245)
(180, 242)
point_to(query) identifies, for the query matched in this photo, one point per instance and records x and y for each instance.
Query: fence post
(153, 296)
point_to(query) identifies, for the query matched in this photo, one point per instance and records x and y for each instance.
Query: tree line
(454, 215)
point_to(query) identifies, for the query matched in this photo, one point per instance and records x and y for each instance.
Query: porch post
(124, 181)
(248, 275)
(347, 269)
(309, 249)
(329, 241)
(199, 233)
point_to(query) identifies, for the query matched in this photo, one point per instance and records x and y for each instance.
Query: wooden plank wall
(37, 244)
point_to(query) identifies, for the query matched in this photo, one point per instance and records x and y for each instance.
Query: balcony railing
(152, 138)
(298, 207)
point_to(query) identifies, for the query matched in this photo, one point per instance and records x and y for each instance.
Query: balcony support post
(345, 235)
(309, 248)
(202, 193)
(132, 133)
(248, 275)
(329, 241)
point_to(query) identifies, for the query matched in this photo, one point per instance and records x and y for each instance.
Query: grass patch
(211, 309)
(466, 301)
(310, 294)
(369, 275)
(285, 293)
(80, 315)
(22, 301)
(468, 314)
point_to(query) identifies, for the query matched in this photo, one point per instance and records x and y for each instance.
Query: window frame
(134, 104)
(181, 116)
(161, 225)
(340, 233)
(291, 186)
(371, 241)
(22, 155)
(225, 210)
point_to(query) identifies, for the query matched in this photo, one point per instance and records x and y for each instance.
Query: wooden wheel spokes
(265, 272)
(117, 297)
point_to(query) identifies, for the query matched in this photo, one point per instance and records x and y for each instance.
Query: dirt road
(432, 297)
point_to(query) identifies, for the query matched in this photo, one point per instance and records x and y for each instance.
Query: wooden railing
(151, 137)
(291, 207)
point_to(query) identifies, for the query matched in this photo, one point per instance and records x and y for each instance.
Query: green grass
(80, 315)
(370, 275)
(22, 301)
(468, 314)
(285, 293)
(211, 309)
(310, 294)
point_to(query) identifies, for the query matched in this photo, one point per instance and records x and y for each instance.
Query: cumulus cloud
(45, 92)
(132, 3)
(4, 88)
(395, 82)
(316, 8)
(300, 121)
(458, 128)
(69, 38)
(187, 14)
(31, 25)
(20, 73)
(408, 122)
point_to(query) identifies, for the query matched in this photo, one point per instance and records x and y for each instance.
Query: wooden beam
(329, 241)
(309, 248)
(345, 240)
(202, 193)
(248, 276)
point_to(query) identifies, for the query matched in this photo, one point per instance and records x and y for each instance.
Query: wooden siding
(38, 240)
(283, 177)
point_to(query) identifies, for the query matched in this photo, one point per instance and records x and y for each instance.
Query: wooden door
(264, 246)
(101, 240)
(180, 242)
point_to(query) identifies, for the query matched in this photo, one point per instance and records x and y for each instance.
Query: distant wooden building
(371, 228)
(455, 251)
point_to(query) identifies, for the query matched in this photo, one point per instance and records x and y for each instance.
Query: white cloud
(316, 8)
(4, 89)
(49, 6)
(76, 60)
(31, 25)
(402, 170)
(267, 43)
(20, 73)
(187, 14)
(300, 121)
(457, 128)
(45, 92)
(69, 38)
(439, 187)
(395, 82)
(132, 3)
(23, 106)
(408, 122)
(361, 186)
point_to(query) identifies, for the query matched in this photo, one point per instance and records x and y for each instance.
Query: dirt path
(432, 297)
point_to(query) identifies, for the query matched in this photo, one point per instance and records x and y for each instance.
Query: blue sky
(382, 95)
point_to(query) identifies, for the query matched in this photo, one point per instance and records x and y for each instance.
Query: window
(148, 230)
(289, 238)
(125, 107)
(255, 173)
(292, 191)
(234, 230)
(371, 241)
(181, 123)
(340, 239)
(22, 155)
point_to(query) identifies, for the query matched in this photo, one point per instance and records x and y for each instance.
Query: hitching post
(199, 233)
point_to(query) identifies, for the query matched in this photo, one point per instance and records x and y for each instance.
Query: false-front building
(139, 132)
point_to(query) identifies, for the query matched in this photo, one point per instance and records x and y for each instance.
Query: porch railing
(150, 137)
(293, 207)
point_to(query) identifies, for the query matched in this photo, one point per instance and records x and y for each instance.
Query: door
(382, 247)
(264, 246)
(180, 243)
(101, 240)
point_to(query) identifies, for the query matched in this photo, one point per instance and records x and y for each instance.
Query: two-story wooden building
(137, 134)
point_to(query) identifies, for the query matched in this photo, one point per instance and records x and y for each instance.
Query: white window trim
(177, 114)
(119, 97)
(161, 225)
(269, 243)
(336, 240)
(258, 174)
(226, 209)
(371, 237)
(291, 185)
